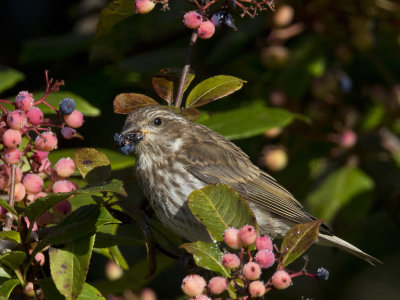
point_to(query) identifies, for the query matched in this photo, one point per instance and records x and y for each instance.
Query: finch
(175, 156)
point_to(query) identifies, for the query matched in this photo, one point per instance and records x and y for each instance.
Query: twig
(9, 216)
(185, 71)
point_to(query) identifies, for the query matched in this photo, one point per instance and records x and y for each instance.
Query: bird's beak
(127, 139)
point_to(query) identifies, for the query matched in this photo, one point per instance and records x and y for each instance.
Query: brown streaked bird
(175, 156)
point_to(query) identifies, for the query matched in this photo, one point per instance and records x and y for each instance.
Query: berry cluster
(253, 254)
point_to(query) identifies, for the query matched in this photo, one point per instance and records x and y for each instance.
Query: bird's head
(154, 129)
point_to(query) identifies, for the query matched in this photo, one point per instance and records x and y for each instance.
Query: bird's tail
(331, 240)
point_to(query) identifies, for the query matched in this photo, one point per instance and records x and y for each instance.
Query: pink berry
(62, 208)
(206, 30)
(193, 285)
(263, 243)
(68, 133)
(252, 271)
(217, 285)
(34, 116)
(6, 170)
(265, 258)
(256, 289)
(113, 271)
(3, 212)
(39, 257)
(65, 167)
(24, 101)
(281, 280)
(247, 235)
(46, 141)
(12, 156)
(144, 6)
(230, 260)
(63, 186)
(192, 19)
(16, 119)
(148, 294)
(19, 192)
(40, 195)
(28, 223)
(46, 218)
(40, 155)
(202, 297)
(348, 139)
(74, 119)
(232, 238)
(11, 138)
(33, 183)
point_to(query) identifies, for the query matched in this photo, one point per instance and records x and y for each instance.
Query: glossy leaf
(11, 235)
(247, 121)
(5, 204)
(93, 165)
(208, 256)
(298, 239)
(9, 77)
(41, 205)
(219, 207)
(12, 259)
(337, 190)
(7, 287)
(166, 83)
(50, 291)
(115, 12)
(213, 89)
(69, 265)
(126, 103)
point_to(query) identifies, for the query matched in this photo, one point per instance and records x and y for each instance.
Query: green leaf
(105, 240)
(115, 12)
(5, 204)
(7, 287)
(9, 77)
(166, 83)
(4, 273)
(12, 259)
(93, 165)
(219, 207)
(41, 205)
(298, 239)
(11, 235)
(50, 291)
(213, 89)
(118, 257)
(208, 256)
(247, 121)
(70, 264)
(337, 190)
(128, 102)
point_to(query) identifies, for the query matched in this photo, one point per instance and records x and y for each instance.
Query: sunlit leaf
(7, 287)
(298, 239)
(9, 77)
(50, 291)
(125, 103)
(219, 207)
(10, 236)
(12, 259)
(5, 204)
(93, 165)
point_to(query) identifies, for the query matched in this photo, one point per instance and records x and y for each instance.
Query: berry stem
(9, 216)
(185, 71)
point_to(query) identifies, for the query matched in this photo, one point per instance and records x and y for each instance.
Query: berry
(6, 170)
(230, 260)
(263, 243)
(33, 183)
(63, 186)
(39, 257)
(193, 285)
(218, 285)
(28, 223)
(24, 101)
(62, 208)
(19, 192)
(46, 218)
(16, 119)
(12, 156)
(3, 212)
(202, 297)
(74, 119)
(247, 235)
(206, 30)
(222, 17)
(40, 155)
(64, 167)
(113, 271)
(265, 258)
(144, 6)
(46, 141)
(281, 280)
(347, 140)
(29, 290)
(252, 271)
(232, 238)
(192, 19)
(148, 294)
(34, 116)
(322, 274)
(68, 133)
(273, 132)
(67, 106)
(11, 138)
(283, 16)
(275, 159)
(256, 289)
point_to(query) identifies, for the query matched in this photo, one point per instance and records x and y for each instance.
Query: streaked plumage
(178, 156)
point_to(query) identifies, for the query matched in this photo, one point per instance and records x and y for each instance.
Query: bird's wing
(216, 160)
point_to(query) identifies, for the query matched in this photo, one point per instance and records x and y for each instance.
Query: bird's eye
(157, 121)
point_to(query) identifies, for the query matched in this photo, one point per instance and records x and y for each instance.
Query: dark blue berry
(67, 106)
(322, 274)
(124, 145)
(222, 17)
